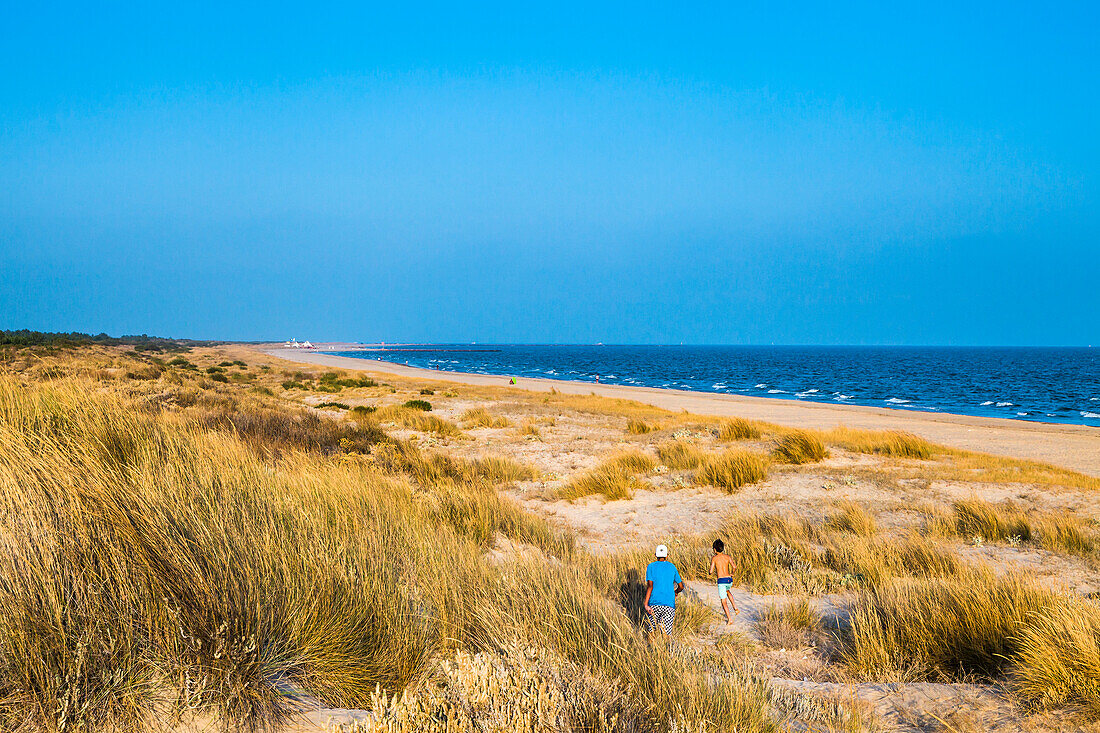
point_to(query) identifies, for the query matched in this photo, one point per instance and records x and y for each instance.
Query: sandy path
(1072, 446)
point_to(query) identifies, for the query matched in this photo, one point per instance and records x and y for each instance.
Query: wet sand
(1076, 447)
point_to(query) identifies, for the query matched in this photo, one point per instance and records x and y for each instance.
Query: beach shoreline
(1076, 447)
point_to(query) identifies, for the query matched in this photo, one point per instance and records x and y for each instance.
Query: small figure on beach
(511, 380)
(663, 582)
(597, 379)
(722, 567)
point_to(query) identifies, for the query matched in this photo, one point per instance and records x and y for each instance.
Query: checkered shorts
(665, 616)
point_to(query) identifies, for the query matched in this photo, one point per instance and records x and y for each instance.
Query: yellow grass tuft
(1057, 659)
(732, 469)
(679, 455)
(943, 629)
(613, 479)
(415, 419)
(638, 426)
(852, 517)
(739, 428)
(479, 417)
(890, 443)
(791, 626)
(799, 446)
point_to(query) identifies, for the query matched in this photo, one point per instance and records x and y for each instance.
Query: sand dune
(1076, 447)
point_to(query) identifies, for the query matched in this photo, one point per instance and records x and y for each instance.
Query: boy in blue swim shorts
(722, 567)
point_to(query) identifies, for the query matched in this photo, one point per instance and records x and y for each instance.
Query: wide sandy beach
(1072, 446)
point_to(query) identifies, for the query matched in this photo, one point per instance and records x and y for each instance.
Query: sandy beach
(1076, 447)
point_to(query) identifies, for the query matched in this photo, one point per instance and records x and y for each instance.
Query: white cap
(661, 551)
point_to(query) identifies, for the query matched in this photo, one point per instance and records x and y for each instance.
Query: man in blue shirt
(662, 581)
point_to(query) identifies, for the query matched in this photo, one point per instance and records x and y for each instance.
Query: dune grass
(416, 419)
(731, 469)
(790, 626)
(1057, 531)
(978, 625)
(851, 517)
(680, 455)
(897, 444)
(182, 574)
(479, 417)
(638, 426)
(613, 479)
(739, 428)
(798, 447)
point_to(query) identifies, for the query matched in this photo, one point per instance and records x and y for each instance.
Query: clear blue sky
(921, 173)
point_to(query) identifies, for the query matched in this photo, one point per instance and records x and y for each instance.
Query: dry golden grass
(976, 519)
(414, 419)
(1057, 658)
(984, 468)
(638, 426)
(479, 417)
(680, 455)
(529, 429)
(732, 469)
(739, 428)
(943, 629)
(851, 517)
(798, 447)
(791, 626)
(613, 479)
(888, 443)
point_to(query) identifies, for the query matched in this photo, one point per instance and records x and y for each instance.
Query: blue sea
(1059, 385)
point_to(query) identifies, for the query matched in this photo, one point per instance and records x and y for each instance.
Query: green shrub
(219, 377)
(427, 391)
(419, 405)
(335, 405)
(214, 370)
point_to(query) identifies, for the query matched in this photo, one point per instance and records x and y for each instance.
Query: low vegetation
(798, 447)
(739, 429)
(890, 443)
(479, 417)
(978, 625)
(731, 469)
(613, 479)
(791, 626)
(638, 426)
(680, 455)
(416, 419)
(851, 517)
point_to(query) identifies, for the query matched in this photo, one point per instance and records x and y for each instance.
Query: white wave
(761, 386)
(987, 403)
(777, 391)
(1006, 404)
(1094, 399)
(896, 401)
(840, 396)
(1022, 414)
(1091, 415)
(719, 385)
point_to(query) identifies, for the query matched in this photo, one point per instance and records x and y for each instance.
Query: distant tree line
(144, 342)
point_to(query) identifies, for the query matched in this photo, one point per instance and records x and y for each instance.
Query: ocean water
(1040, 384)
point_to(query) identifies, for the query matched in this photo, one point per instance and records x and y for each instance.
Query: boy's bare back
(722, 565)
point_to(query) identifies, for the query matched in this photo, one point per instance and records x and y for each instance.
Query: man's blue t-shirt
(665, 576)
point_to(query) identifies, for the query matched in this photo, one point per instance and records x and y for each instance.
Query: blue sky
(634, 173)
